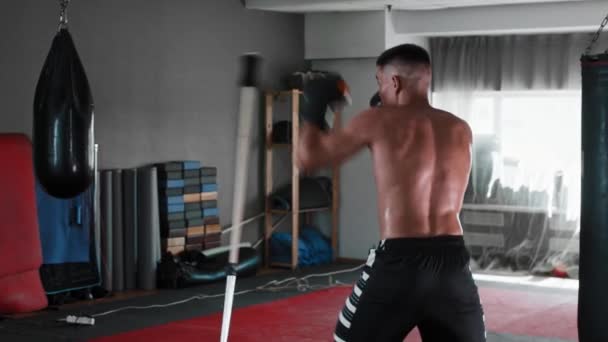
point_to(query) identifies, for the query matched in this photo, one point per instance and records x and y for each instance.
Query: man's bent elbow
(305, 160)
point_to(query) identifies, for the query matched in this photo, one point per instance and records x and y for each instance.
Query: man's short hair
(404, 54)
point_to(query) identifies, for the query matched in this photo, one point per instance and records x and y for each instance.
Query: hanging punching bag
(63, 121)
(593, 286)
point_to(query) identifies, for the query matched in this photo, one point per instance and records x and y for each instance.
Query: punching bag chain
(596, 36)
(63, 13)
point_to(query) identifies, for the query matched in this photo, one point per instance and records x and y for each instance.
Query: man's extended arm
(318, 148)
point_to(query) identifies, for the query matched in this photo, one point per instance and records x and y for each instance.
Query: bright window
(538, 135)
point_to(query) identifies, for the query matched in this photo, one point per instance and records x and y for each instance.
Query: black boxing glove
(319, 93)
(375, 101)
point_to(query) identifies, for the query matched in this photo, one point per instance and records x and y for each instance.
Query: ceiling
(367, 5)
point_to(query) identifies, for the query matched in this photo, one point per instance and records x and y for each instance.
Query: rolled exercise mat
(148, 228)
(129, 214)
(97, 217)
(118, 276)
(593, 278)
(106, 221)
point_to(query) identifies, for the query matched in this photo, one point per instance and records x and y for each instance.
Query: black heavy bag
(63, 122)
(593, 290)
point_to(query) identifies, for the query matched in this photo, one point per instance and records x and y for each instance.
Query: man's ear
(396, 83)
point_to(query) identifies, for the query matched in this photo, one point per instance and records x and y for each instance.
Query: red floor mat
(312, 317)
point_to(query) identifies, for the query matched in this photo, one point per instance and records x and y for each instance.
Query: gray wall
(344, 35)
(163, 75)
(358, 214)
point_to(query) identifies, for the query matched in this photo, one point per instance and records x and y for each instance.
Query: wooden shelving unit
(294, 97)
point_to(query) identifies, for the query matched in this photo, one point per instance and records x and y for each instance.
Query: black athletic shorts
(414, 282)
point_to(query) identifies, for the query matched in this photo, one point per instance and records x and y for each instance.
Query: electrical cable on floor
(301, 284)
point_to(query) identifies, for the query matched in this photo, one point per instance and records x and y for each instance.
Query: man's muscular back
(422, 162)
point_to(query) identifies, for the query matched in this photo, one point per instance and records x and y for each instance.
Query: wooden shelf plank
(268, 190)
(281, 264)
(284, 93)
(295, 177)
(302, 211)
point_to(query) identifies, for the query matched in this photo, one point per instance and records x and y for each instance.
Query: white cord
(251, 219)
(274, 227)
(302, 284)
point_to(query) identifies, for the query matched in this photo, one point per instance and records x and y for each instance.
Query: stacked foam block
(209, 189)
(188, 207)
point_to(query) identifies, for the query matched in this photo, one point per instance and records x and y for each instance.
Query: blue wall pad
(64, 228)
(68, 241)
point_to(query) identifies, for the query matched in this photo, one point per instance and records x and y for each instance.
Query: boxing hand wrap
(319, 93)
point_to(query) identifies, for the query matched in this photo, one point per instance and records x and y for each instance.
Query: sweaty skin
(422, 160)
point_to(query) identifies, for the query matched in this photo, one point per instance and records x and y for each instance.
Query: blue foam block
(175, 200)
(175, 208)
(192, 165)
(210, 187)
(173, 183)
(210, 212)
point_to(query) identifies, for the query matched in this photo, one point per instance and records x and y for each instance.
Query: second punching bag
(63, 122)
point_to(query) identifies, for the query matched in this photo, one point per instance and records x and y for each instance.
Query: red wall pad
(20, 252)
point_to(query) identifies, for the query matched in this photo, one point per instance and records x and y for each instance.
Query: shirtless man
(419, 275)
